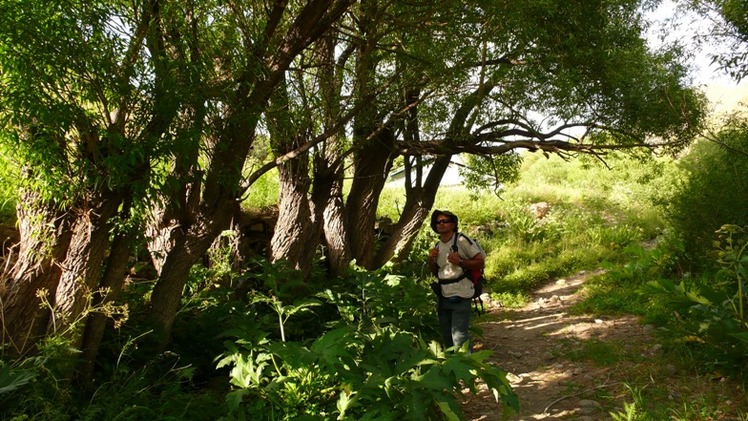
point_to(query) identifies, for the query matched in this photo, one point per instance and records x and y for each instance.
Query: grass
(600, 352)
(511, 299)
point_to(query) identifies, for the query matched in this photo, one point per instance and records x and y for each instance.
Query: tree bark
(295, 238)
(327, 196)
(44, 239)
(188, 249)
(83, 265)
(418, 203)
(111, 285)
(327, 183)
(373, 163)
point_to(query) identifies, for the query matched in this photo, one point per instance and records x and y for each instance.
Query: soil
(576, 367)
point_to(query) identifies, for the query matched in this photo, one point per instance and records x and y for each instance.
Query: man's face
(444, 224)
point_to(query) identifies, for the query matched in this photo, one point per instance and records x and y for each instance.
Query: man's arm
(476, 262)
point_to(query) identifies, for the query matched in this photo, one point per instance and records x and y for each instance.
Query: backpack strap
(477, 301)
(452, 281)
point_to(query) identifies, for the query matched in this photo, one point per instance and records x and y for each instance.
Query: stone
(540, 209)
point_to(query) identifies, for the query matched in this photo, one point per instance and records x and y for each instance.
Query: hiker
(454, 290)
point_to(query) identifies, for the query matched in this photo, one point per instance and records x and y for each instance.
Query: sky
(684, 27)
(723, 92)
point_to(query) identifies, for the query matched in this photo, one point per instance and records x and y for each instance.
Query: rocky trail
(584, 368)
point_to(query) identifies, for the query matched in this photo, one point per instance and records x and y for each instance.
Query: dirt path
(582, 368)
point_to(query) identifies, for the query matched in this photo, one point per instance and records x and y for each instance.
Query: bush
(711, 309)
(374, 361)
(712, 192)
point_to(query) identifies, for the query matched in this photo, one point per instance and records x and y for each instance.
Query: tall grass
(264, 192)
(597, 210)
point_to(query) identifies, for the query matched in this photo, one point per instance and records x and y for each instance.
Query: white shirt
(467, 250)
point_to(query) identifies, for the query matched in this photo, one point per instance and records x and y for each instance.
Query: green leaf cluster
(382, 372)
(711, 310)
(373, 362)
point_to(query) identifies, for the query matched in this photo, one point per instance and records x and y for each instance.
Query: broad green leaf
(11, 380)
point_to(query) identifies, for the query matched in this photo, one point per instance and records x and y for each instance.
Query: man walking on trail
(449, 260)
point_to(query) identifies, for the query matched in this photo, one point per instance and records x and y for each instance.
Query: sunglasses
(444, 221)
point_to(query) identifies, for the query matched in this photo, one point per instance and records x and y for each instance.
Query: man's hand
(433, 255)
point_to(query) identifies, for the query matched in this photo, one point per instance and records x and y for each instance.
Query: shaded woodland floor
(585, 368)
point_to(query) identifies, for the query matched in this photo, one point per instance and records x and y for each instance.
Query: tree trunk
(296, 237)
(166, 221)
(372, 166)
(327, 197)
(111, 286)
(327, 187)
(83, 265)
(44, 239)
(419, 201)
(420, 195)
(188, 249)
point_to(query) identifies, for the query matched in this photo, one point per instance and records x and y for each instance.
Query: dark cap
(435, 216)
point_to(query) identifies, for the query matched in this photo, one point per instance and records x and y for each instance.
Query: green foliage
(47, 396)
(12, 379)
(44, 389)
(618, 289)
(386, 298)
(731, 31)
(602, 353)
(510, 299)
(483, 173)
(631, 411)
(9, 184)
(713, 191)
(264, 191)
(710, 310)
(472, 213)
(371, 365)
(161, 389)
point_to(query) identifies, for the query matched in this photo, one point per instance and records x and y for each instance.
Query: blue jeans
(454, 320)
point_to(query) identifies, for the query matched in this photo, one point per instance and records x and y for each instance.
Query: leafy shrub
(372, 362)
(711, 309)
(712, 192)
(354, 373)
(8, 185)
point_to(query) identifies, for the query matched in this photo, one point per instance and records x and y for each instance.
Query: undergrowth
(247, 347)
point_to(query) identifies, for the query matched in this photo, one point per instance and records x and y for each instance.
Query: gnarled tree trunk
(83, 265)
(111, 285)
(44, 238)
(296, 236)
(373, 163)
